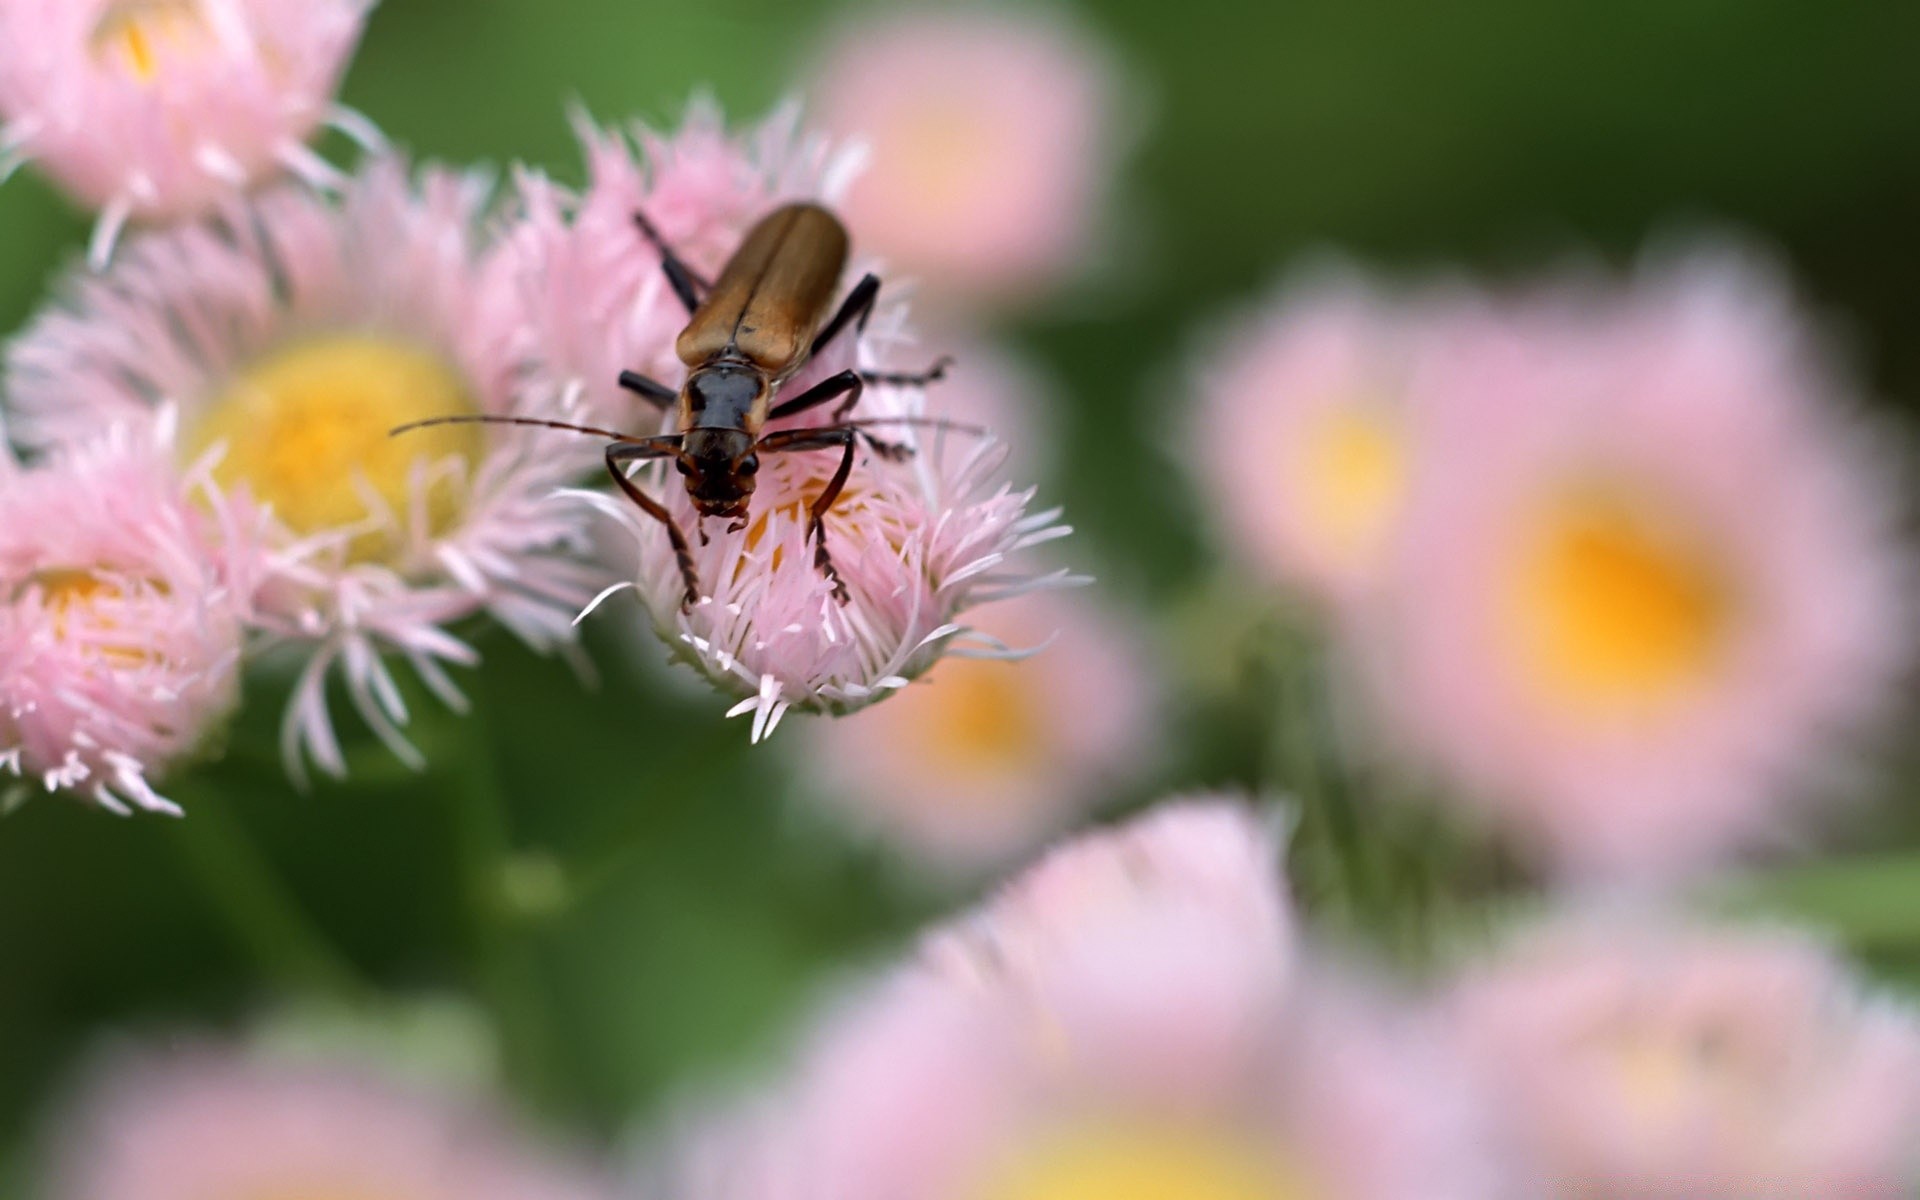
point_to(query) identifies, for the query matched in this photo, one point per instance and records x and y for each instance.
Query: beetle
(748, 331)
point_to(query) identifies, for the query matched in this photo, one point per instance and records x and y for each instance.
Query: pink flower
(160, 109)
(1647, 587)
(292, 339)
(1642, 1056)
(915, 542)
(983, 757)
(123, 592)
(207, 1121)
(1165, 1044)
(994, 135)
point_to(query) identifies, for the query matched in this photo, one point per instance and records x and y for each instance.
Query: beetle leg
(846, 383)
(933, 374)
(686, 282)
(651, 390)
(820, 439)
(857, 307)
(660, 447)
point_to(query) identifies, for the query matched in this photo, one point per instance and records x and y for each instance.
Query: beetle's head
(719, 465)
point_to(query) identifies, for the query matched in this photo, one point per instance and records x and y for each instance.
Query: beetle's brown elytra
(749, 330)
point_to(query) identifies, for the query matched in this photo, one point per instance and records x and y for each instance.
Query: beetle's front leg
(660, 447)
(820, 439)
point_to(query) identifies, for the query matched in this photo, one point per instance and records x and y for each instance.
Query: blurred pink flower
(160, 109)
(596, 300)
(1648, 582)
(122, 602)
(204, 1122)
(1163, 1045)
(983, 757)
(1309, 422)
(292, 338)
(993, 137)
(1642, 1056)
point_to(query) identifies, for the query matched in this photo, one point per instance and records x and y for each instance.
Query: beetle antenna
(534, 421)
(921, 422)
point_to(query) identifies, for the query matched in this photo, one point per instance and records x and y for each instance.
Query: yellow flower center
(977, 717)
(73, 600)
(1616, 609)
(307, 429)
(1352, 471)
(943, 148)
(1146, 1163)
(134, 35)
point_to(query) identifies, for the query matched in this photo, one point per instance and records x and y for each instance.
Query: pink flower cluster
(1140, 1014)
(270, 341)
(1616, 558)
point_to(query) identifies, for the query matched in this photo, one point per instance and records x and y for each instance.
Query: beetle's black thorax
(726, 394)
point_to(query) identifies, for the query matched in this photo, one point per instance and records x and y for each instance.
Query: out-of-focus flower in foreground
(1163, 1043)
(122, 609)
(915, 540)
(983, 757)
(993, 137)
(1644, 1056)
(291, 339)
(1648, 583)
(157, 110)
(1308, 424)
(207, 1121)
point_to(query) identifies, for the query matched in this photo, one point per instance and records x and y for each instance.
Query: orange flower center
(80, 604)
(1616, 608)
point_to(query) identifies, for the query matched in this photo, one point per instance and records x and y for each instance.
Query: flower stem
(259, 910)
(506, 975)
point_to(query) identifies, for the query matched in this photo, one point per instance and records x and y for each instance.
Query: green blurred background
(667, 908)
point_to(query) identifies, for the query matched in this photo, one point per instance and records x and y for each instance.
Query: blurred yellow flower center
(943, 149)
(979, 717)
(135, 34)
(1146, 1163)
(307, 430)
(1616, 609)
(1352, 469)
(1661, 1073)
(73, 600)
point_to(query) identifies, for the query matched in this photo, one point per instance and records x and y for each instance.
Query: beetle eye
(681, 465)
(748, 465)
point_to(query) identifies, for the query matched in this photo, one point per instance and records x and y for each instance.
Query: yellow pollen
(1616, 611)
(1352, 470)
(135, 33)
(307, 429)
(1145, 1163)
(73, 600)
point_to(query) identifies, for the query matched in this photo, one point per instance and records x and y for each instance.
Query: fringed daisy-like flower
(292, 340)
(994, 137)
(1309, 421)
(1649, 585)
(596, 299)
(981, 758)
(123, 597)
(1641, 1055)
(1166, 1042)
(159, 109)
(922, 530)
(210, 1121)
